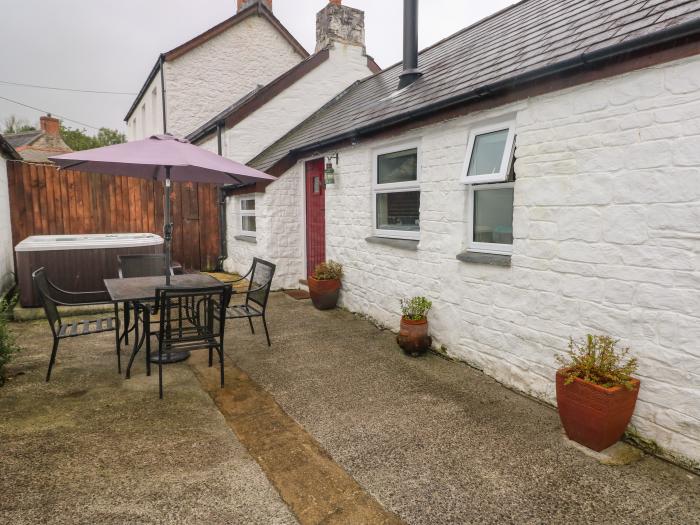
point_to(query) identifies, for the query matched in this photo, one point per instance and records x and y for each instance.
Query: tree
(78, 139)
(17, 125)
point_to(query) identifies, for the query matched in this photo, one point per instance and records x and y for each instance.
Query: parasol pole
(167, 227)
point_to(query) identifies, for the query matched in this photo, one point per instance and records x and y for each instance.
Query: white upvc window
(396, 192)
(489, 153)
(491, 218)
(247, 216)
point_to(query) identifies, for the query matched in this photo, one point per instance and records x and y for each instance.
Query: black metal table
(135, 290)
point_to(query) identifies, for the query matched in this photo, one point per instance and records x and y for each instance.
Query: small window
(489, 154)
(491, 224)
(247, 213)
(397, 193)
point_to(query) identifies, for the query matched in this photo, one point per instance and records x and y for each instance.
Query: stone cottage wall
(607, 240)
(211, 77)
(6, 249)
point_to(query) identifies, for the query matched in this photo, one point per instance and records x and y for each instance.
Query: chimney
(50, 125)
(242, 4)
(339, 23)
(411, 73)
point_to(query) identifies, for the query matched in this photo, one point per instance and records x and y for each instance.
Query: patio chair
(141, 265)
(256, 296)
(201, 332)
(60, 330)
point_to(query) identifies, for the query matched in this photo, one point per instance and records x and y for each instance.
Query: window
(489, 154)
(491, 224)
(396, 193)
(247, 213)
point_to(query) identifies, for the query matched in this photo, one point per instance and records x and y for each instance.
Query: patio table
(142, 290)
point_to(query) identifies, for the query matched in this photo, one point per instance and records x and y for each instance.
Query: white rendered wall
(345, 65)
(607, 240)
(151, 105)
(7, 266)
(211, 77)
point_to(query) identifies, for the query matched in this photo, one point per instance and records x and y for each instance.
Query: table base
(175, 357)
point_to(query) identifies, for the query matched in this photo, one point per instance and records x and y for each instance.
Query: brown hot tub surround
(78, 263)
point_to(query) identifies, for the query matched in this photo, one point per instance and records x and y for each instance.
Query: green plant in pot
(324, 285)
(413, 335)
(596, 393)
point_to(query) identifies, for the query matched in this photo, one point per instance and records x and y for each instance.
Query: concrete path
(420, 440)
(437, 442)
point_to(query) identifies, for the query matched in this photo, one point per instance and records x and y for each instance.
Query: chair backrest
(41, 283)
(145, 265)
(202, 306)
(260, 282)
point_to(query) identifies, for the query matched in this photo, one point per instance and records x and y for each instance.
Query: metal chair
(60, 330)
(141, 265)
(201, 332)
(255, 305)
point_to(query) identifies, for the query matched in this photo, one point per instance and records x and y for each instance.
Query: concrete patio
(333, 425)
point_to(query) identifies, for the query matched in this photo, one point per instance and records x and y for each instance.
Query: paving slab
(435, 441)
(90, 447)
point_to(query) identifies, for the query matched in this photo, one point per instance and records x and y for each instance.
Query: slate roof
(521, 43)
(7, 149)
(17, 140)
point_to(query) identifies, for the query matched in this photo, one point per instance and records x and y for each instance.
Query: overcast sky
(111, 46)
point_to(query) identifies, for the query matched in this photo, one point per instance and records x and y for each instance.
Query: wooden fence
(45, 201)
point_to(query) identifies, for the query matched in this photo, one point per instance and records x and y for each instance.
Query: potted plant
(596, 392)
(324, 285)
(413, 336)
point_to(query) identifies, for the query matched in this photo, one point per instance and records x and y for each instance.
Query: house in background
(536, 175)
(39, 145)
(224, 66)
(7, 267)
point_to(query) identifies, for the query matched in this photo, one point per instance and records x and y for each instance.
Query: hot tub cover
(92, 241)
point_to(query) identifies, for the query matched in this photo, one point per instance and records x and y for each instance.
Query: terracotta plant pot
(413, 337)
(593, 415)
(324, 294)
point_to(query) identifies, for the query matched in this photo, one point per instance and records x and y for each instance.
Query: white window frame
(485, 247)
(502, 175)
(247, 213)
(394, 187)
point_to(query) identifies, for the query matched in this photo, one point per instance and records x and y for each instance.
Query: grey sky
(111, 46)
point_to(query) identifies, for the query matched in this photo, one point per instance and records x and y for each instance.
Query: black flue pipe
(410, 44)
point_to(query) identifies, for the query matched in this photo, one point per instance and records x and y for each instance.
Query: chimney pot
(242, 4)
(50, 125)
(339, 23)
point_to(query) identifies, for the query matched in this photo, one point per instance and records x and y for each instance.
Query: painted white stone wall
(279, 230)
(147, 118)
(345, 65)
(7, 266)
(211, 77)
(607, 240)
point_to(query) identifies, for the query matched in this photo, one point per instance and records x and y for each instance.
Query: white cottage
(7, 265)
(536, 175)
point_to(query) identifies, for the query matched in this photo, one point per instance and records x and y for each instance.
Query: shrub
(327, 271)
(7, 340)
(597, 361)
(415, 308)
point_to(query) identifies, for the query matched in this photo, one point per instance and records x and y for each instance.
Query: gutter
(584, 60)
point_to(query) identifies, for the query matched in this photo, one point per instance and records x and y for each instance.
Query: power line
(45, 111)
(66, 89)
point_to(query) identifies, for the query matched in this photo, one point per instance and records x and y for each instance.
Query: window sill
(491, 259)
(402, 244)
(246, 238)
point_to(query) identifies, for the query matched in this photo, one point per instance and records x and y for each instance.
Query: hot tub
(77, 263)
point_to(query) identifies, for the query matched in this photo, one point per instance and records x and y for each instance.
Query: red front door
(315, 215)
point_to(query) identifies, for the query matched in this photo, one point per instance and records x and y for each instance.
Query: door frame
(302, 181)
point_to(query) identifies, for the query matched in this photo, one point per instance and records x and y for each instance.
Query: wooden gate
(315, 215)
(44, 201)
